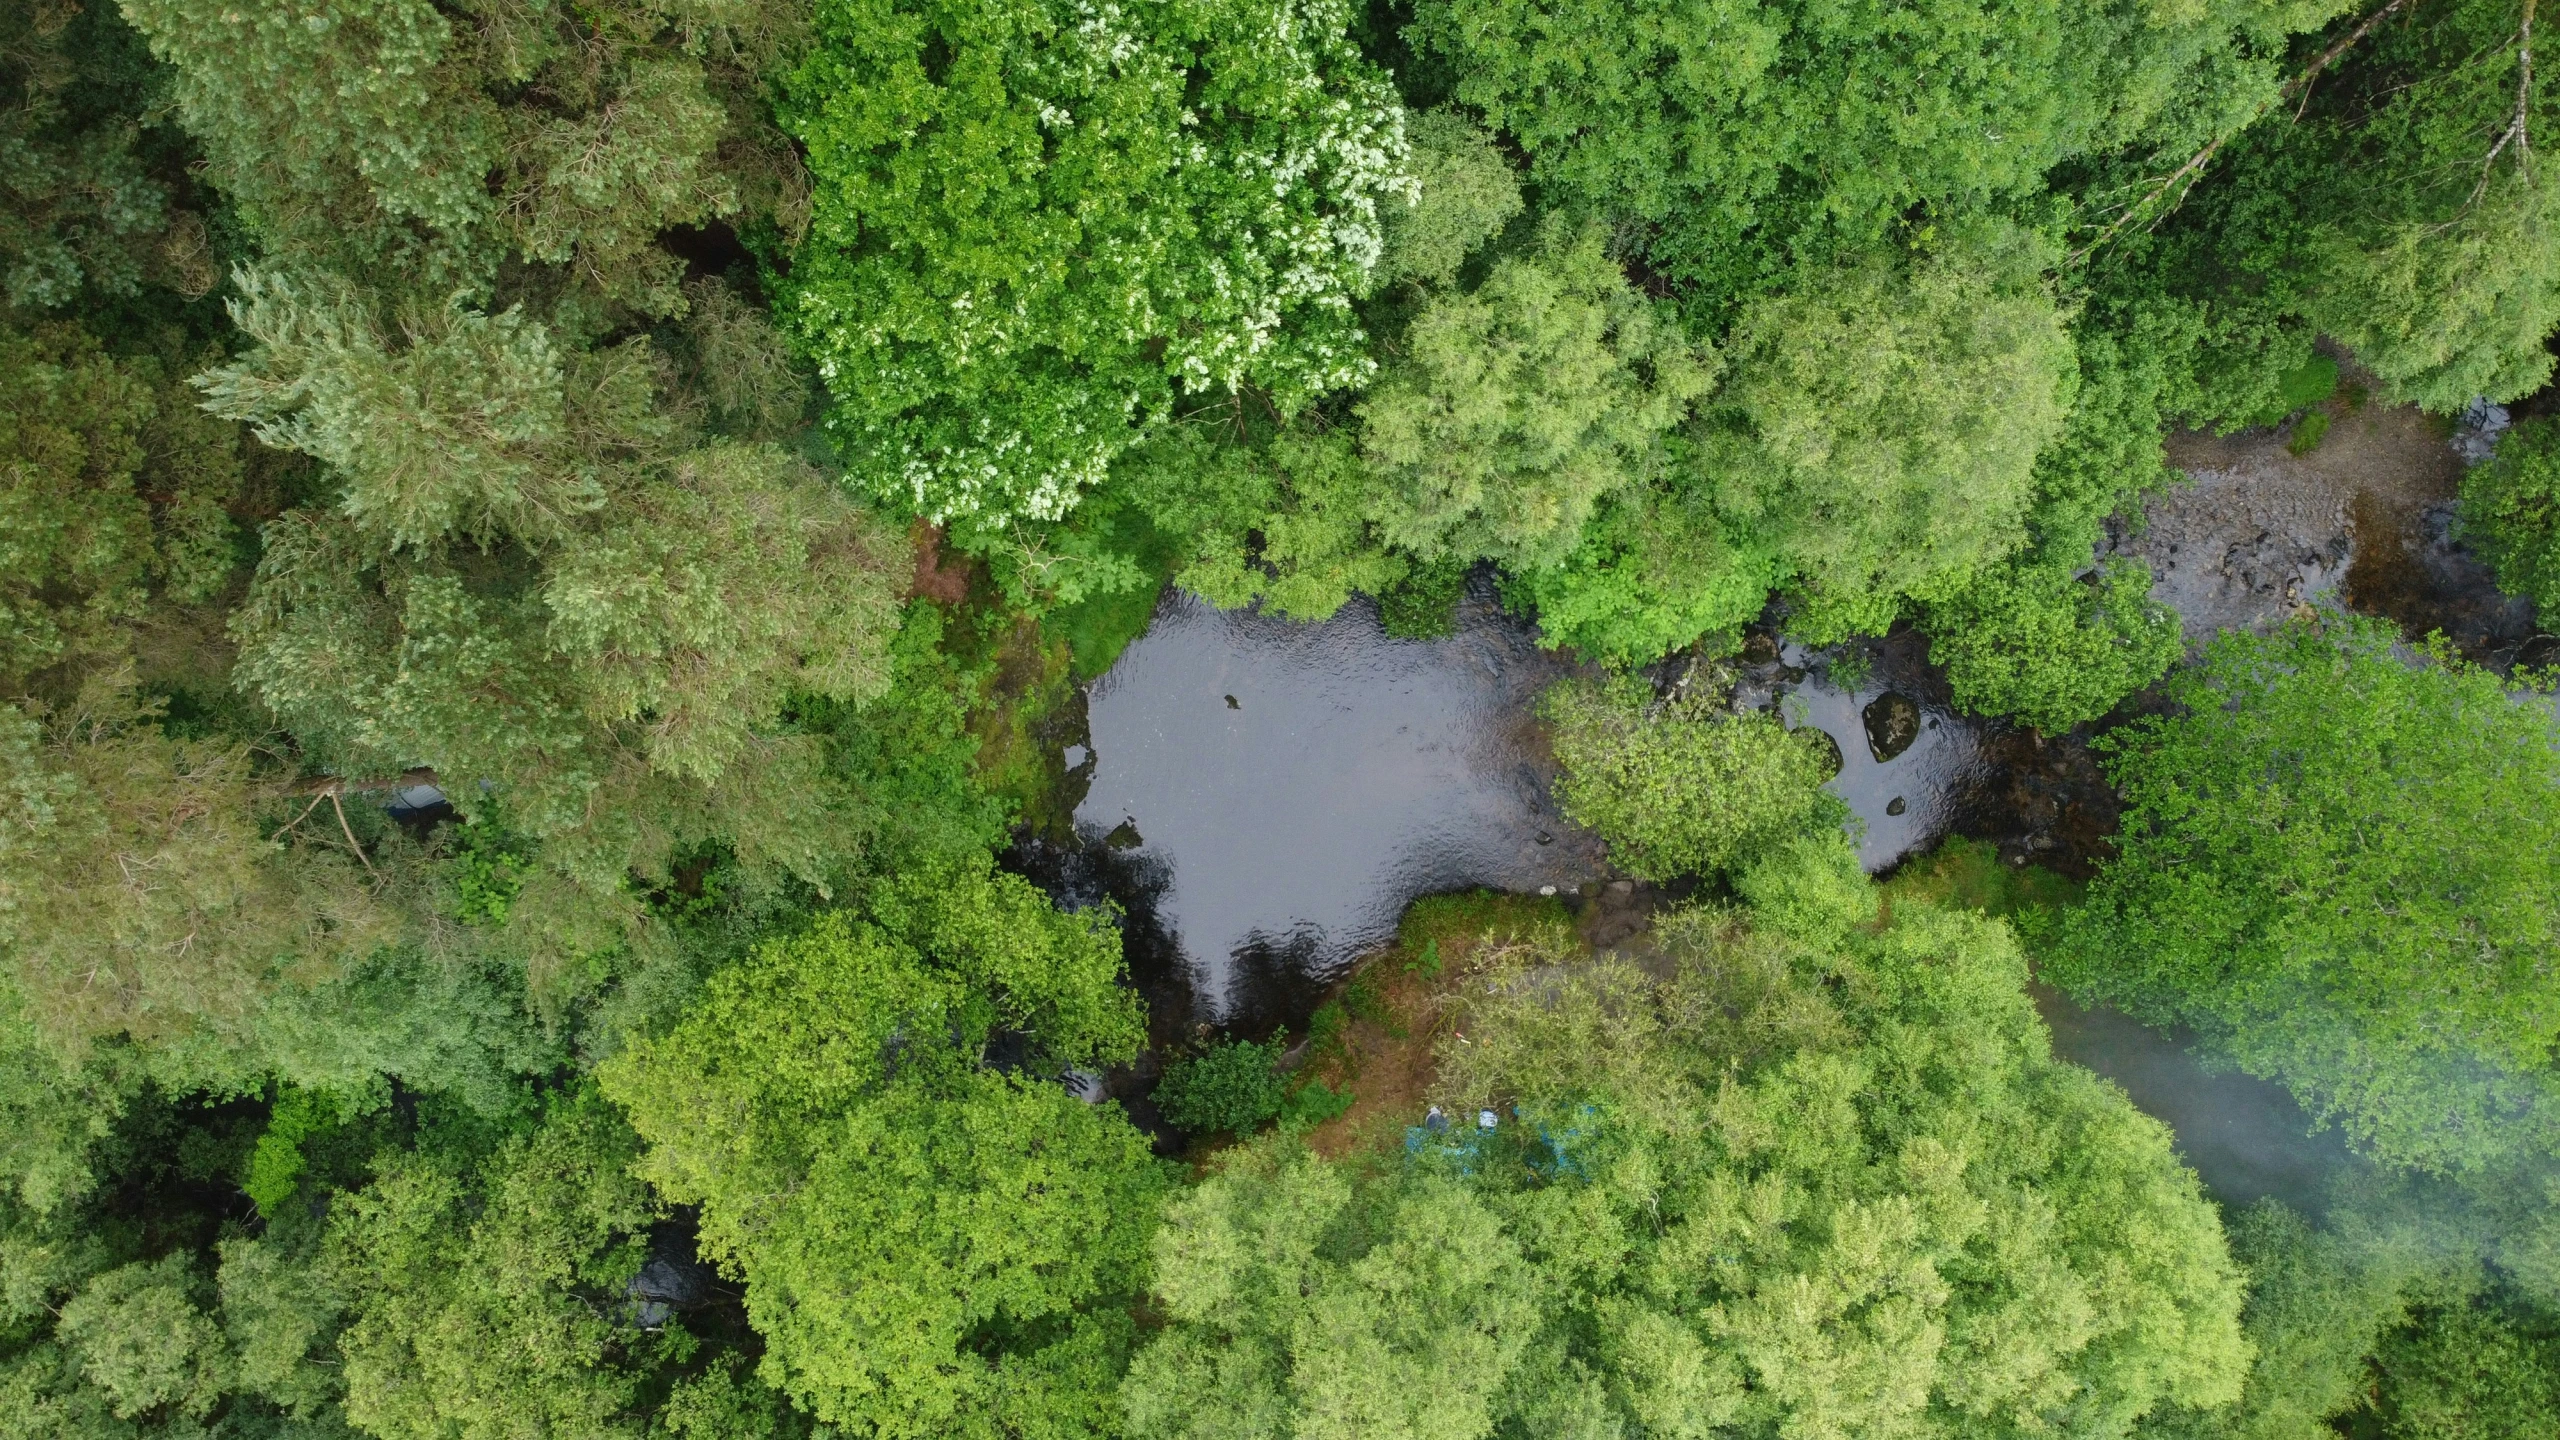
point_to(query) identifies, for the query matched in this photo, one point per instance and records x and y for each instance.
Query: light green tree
(1304, 1302)
(141, 1337)
(139, 895)
(930, 1247)
(392, 137)
(1881, 426)
(1515, 408)
(536, 577)
(485, 1299)
(1464, 194)
(1829, 1180)
(1683, 785)
(2051, 647)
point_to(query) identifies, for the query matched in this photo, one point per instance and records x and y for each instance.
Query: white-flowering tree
(1040, 222)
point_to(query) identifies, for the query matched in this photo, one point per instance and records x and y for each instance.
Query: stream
(1263, 799)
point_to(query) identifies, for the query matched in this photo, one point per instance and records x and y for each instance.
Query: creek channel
(1263, 799)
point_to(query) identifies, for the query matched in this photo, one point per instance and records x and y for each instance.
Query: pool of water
(1263, 799)
(1275, 794)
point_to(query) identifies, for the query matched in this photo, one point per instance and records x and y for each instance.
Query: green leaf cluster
(2336, 863)
(1685, 786)
(1233, 1087)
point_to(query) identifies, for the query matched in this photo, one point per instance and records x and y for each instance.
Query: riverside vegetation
(696, 437)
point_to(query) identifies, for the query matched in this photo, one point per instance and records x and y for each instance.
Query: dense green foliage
(1683, 786)
(1821, 1182)
(2303, 876)
(705, 440)
(1516, 407)
(1037, 224)
(2050, 647)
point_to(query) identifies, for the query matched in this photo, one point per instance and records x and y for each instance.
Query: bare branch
(2518, 132)
(349, 831)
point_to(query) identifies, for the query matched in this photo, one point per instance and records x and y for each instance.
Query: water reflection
(1296, 786)
(1908, 760)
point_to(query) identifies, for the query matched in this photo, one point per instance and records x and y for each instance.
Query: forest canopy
(547, 553)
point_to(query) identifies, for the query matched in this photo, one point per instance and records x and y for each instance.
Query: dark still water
(1282, 791)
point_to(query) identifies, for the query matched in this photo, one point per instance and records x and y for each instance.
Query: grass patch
(1439, 929)
(2308, 432)
(1099, 627)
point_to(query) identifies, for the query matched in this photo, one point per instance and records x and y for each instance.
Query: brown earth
(1393, 1013)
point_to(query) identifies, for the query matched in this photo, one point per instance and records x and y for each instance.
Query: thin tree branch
(2297, 87)
(298, 819)
(350, 832)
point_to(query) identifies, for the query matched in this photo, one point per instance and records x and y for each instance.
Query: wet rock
(2476, 431)
(2418, 573)
(1832, 745)
(1896, 806)
(1125, 836)
(1892, 723)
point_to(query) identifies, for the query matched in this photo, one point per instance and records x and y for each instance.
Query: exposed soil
(937, 576)
(1397, 1000)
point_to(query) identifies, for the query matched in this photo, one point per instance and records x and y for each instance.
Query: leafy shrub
(1424, 604)
(2511, 513)
(1684, 787)
(1233, 1087)
(2050, 649)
